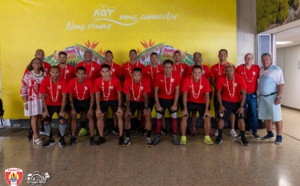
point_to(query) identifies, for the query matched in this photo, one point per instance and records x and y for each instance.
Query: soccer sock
(82, 124)
(174, 125)
(127, 131)
(62, 129)
(242, 134)
(220, 132)
(158, 126)
(47, 129)
(148, 133)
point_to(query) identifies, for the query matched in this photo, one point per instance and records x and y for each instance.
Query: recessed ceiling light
(283, 42)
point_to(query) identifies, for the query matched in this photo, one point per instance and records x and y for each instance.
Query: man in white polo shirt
(270, 91)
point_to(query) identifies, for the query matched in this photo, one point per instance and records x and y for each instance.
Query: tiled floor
(261, 163)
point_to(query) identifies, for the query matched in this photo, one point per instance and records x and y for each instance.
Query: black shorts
(114, 104)
(81, 106)
(134, 105)
(166, 104)
(180, 101)
(200, 107)
(230, 107)
(151, 102)
(51, 111)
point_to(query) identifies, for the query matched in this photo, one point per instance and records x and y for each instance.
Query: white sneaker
(216, 132)
(233, 133)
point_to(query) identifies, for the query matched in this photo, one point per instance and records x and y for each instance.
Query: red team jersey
(218, 70)
(53, 90)
(92, 69)
(180, 69)
(196, 90)
(67, 73)
(108, 89)
(136, 90)
(80, 91)
(205, 71)
(251, 75)
(231, 91)
(115, 70)
(149, 72)
(128, 67)
(166, 85)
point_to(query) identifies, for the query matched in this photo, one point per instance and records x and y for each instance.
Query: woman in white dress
(32, 98)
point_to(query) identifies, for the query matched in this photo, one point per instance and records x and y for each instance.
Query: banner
(73, 26)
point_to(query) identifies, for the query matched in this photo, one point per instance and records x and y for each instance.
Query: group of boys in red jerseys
(89, 89)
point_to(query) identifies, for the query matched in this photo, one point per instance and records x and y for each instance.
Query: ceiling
(288, 32)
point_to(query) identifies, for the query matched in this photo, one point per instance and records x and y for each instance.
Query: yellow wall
(25, 26)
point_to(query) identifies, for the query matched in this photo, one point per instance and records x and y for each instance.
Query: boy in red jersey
(108, 91)
(136, 90)
(197, 57)
(166, 93)
(92, 72)
(218, 70)
(130, 65)
(81, 96)
(231, 93)
(67, 71)
(251, 74)
(196, 91)
(54, 96)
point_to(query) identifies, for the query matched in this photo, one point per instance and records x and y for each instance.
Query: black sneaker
(121, 140)
(256, 136)
(156, 140)
(244, 141)
(164, 131)
(175, 140)
(92, 141)
(101, 140)
(116, 131)
(218, 140)
(73, 141)
(278, 140)
(149, 142)
(62, 142)
(127, 142)
(49, 143)
(30, 135)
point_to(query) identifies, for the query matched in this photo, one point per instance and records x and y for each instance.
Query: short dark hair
(105, 66)
(88, 51)
(54, 67)
(266, 54)
(133, 50)
(108, 52)
(197, 66)
(197, 53)
(29, 66)
(224, 51)
(153, 53)
(80, 68)
(137, 69)
(177, 51)
(168, 61)
(62, 53)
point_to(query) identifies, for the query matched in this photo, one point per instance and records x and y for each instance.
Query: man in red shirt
(108, 91)
(116, 71)
(54, 97)
(67, 71)
(166, 93)
(130, 65)
(150, 72)
(197, 57)
(136, 90)
(250, 72)
(81, 96)
(218, 70)
(92, 72)
(196, 91)
(231, 93)
(39, 53)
